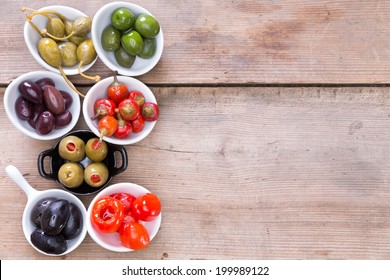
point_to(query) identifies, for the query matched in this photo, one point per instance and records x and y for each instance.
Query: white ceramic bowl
(111, 241)
(31, 37)
(33, 197)
(99, 90)
(102, 19)
(12, 93)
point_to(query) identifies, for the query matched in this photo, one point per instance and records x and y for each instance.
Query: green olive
(111, 38)
(71, 175)
(147, 26)
(96, 174)
(69, 55)
(50, 52)
(149, 48)
(86, 52)
(122, 19)
(68, 30)
(96, 151)
(123, 58)
(71, 148)
(56, 27)
(132, 42)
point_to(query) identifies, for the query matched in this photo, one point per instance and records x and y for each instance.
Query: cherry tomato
(134, 236)
(129, 109)
(117, 91)
(150, 111)
(107, 214)
(137, 96)
(146, 207)
(138, 124)
(126, 199)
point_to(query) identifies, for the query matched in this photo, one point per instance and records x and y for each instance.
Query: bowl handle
(41, 168)
(123, 153)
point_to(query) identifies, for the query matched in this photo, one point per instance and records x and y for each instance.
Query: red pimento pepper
(117, 91)
(107, 214)
(138, 97)
(150, 111)
(129, 109)
(107, 126)
(124, 128)
(103, 107)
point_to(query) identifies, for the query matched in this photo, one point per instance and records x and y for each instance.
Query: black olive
(55, 216)
(75, 223)
(36, 213)
(48, 243)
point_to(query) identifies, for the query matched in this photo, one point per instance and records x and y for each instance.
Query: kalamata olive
(63, 119)
(31, 91)
(23, 108)
(44, 82)
(75, 223)
(37, 109)
(67, 98)
(36, 213)
(45, 123)
(55, 216)
(48, 243)
(53, 100)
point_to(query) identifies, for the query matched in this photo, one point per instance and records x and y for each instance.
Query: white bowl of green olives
(54, 221)
(67, 53)
(25, 101)
(127, 38)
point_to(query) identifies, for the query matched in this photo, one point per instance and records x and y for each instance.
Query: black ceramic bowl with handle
(111, 161)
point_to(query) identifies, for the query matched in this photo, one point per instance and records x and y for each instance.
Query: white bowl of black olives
(58, 37)
(127, 38)
(54, 221)
(42, 105)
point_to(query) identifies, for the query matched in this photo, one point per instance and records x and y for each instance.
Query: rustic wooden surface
(250, 160)
(243, 41)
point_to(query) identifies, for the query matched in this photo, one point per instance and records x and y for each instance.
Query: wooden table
(273, 139)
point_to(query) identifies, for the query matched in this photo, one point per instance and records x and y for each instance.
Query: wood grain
(244, 173)
(242, 42)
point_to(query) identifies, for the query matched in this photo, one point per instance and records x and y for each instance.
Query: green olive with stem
(86, 53)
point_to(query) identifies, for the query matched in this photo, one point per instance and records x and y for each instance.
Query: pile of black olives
(43, 106)
(57, 220)
(129, 36)
(84, 162)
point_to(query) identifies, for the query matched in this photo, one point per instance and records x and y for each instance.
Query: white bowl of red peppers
(120, 110)
(124, 217)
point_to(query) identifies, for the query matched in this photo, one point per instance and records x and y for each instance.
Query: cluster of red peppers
(123, 112)
(126, 215)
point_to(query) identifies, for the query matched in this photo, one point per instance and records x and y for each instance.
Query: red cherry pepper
(107, 126)
(107, 214)
(137, 96)
(124, 128)
(150, 111)
(138, 124)
(129, 109)
(117, 91)
(103, 107)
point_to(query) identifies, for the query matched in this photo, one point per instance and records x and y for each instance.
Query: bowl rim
(102, 53)
(106, 192)
(13, 118)
(88, 101)
(69, 71)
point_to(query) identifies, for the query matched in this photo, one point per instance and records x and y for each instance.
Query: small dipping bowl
(56, 162)
(111, 241)
(33, 197)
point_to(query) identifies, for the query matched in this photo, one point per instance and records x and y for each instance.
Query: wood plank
(243, 42)
(244, 173)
